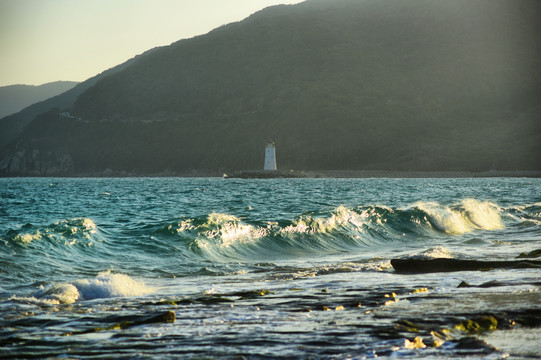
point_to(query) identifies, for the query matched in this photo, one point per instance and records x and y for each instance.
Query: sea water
(282, 268)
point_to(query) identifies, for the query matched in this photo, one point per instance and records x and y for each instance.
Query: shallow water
(292, 268)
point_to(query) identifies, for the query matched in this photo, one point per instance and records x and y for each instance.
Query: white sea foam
(340, 217)
(483, 214)
(469, 215)
(27, 238)
(437, 252)
(444, 218)
(381, 265)
(433, 253)
(81, 226)
(68, 231)
(105, 285)
(226, 230)
(528, 214)
(58, 294)
(108, 285)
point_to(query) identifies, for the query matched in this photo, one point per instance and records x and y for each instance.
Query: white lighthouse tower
(270, 156)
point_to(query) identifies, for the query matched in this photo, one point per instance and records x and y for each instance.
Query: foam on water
(530, 214)
(433, 253)
(27, 238)
(467, 216)
(275, 256)
(221, 236)
(62, 293)
(483, 214)
(228, 230)
(105, 285)
(224, 237)
(68, 232)
(339, 218)
(217, 231)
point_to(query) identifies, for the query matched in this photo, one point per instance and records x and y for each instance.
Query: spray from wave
(225, 237)
(74, 231)
(105, 285)
(467, 216)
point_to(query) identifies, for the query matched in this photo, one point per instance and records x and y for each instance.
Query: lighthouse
(270, 156)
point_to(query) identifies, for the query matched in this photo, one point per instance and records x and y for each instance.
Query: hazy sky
(48, 40)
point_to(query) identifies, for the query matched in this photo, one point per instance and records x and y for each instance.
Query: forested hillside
(341, 84)
(12, 125)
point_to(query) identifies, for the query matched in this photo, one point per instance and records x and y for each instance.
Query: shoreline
(306, 174)
(366, 174)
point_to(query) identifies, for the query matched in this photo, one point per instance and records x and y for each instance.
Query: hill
(14, 98)
(342, 84)
(12, 125)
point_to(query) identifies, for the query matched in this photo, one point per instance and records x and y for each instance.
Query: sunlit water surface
(291, 268)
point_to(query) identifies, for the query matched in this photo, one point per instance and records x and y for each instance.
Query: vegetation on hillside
(14, 98)
(342, 84)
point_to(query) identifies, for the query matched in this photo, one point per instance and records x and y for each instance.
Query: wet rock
(478, 326)
(449, 265)
(529, 318)
(166, 317)
(475, 344)
(406, 325)
(128, 321)
(252, 294)
(489, 284)
(531, 254)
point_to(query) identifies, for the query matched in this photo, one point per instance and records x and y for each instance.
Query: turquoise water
(283, 268)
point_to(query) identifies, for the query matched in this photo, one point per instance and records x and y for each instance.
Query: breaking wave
(467, 216)
(105, 285)
(225, 237)
(76, 231)
(222, 236)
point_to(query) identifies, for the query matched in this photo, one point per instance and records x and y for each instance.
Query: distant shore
(313, 174)
(379, 174)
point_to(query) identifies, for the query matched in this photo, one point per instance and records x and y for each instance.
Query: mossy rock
(478, 326)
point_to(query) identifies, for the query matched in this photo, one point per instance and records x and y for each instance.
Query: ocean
(212, 268)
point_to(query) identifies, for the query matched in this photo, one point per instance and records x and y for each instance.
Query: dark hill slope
(342, 84)
(14, 98)
(12, 125)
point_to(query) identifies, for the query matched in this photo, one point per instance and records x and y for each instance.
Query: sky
(48, 40)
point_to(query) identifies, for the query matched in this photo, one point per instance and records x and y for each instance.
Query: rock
(449, 265)
(166, 317)
(478, 326)
(531, 254)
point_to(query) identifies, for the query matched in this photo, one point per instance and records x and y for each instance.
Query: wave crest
(67, 232)
(467, 216)
(109, 285)
(105, 285)
(342, 217)
(217, 230)
(225, 237)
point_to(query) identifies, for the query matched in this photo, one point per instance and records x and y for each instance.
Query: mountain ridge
(422, 85)
(12, 125)
(14, 98)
